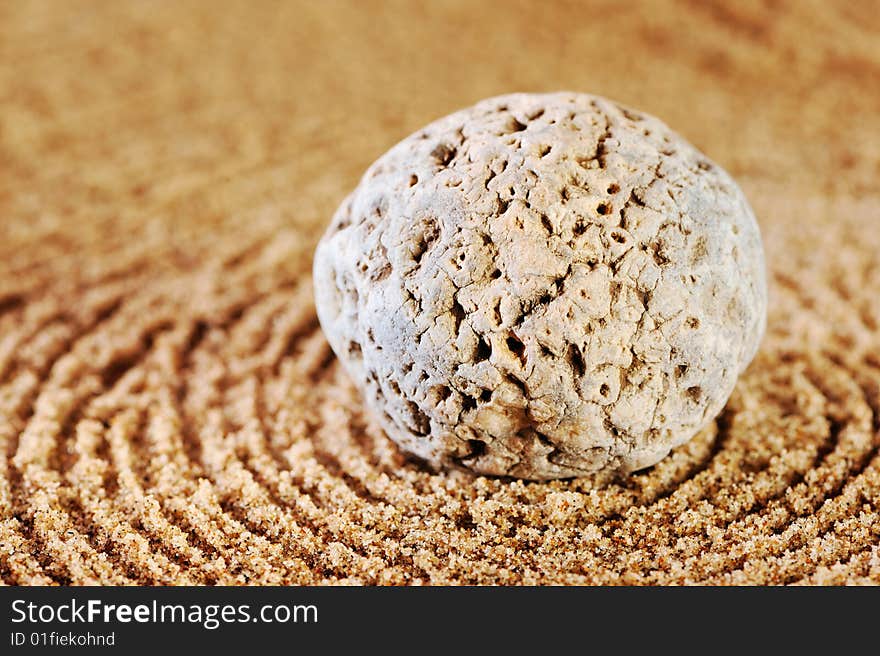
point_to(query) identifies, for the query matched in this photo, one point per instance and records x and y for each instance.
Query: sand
(169, 409)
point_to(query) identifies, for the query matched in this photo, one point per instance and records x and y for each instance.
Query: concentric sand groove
(153, 440)
(170, 411)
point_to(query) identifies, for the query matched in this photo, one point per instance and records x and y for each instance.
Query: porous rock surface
(543, 286)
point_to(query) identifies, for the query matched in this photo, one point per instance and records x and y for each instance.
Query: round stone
(543, 286)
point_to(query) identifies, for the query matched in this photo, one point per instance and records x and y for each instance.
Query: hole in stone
(518, 383)
(486, 395)
(381, 274)
(604, 389)
(613, 188)
(680, 370)
(693, 322)
(601, 152)
(495, 274)
(458, 314)
(694, 393)
(443, 154)
(603, 208)
(442, 392)
(515, 346)
(659, 255)
(515, 126)
(421, 425)
(413, 180)
(576, 360)
(354, 350)
(636, 199)
(468, 403)
(538, 114)
(484, 350)
(543, 151)
(545, 221)
(619, 237)
(477, 447)
(579, 228)
(429, 235)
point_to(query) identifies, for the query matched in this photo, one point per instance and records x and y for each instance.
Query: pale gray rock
(543, 286)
